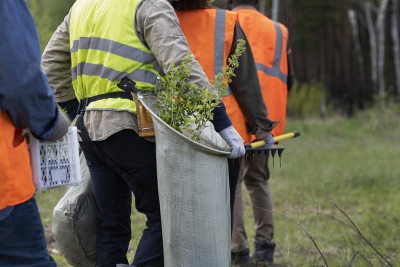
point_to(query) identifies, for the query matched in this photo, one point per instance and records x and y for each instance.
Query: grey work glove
(61, 128)
(263, 135)
(234, 140)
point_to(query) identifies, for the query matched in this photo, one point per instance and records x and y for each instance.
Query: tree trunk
(262, 5)
(360, 59)
(275, 10)
(380, 29)
(372, 41)
(220, 3)
(394, 21)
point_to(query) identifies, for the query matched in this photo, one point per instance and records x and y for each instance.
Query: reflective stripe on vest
(269, 41)
(105, 48)
(214, 26)
(15, 169)
(275, 71)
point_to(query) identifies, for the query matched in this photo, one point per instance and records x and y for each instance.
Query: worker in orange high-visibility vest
(26, 101)
(269, 42)
(212, 35)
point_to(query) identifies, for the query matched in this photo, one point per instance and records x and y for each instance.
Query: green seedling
(186, 107)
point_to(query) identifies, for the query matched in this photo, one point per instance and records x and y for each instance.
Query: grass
(352, 162)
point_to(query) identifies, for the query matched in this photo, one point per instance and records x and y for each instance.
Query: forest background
(345, 104)
(346, 53)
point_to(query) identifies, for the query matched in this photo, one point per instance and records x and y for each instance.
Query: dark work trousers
(234, 168)
(255, 175)
(137, 157)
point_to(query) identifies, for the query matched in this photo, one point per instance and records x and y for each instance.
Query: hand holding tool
(234, 140)
(262, 143)
(258, 146)
(266, 137)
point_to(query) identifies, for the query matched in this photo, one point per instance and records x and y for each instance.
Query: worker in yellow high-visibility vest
(105, 43)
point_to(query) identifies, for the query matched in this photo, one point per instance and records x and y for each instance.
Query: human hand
(61, 128)
(234, 140)
(263, 135)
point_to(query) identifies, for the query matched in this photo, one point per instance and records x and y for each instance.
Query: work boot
(264, 252)
(240, 257)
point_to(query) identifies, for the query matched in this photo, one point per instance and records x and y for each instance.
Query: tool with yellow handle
(256, 148)
(258, 144)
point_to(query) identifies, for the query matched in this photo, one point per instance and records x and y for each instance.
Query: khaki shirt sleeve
(56, 63)
(158, 26)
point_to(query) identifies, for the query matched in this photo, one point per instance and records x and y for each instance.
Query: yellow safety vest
(105, 48)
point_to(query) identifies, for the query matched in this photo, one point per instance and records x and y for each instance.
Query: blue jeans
(22, 241)
(113, 197)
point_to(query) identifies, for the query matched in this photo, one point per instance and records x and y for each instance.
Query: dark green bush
(307, 100)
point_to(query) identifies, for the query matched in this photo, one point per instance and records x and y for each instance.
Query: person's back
(213, 36)
(111, 45)
(210, 35)
(269, 43)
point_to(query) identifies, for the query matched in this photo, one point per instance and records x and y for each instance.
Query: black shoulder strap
(85, 137)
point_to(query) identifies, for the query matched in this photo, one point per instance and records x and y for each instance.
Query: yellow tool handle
(276, 138)
(286, 136)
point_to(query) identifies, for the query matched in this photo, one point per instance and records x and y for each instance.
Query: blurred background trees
(48, 14)
(346, 53)
(349, 48)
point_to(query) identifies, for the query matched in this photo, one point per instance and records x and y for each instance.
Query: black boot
(240, 257)
(264, 252)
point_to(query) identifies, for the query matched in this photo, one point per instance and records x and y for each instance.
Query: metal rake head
(252, 152)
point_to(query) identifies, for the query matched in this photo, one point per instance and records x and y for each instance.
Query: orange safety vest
(269, 41)
(16, 184)
(209, 33)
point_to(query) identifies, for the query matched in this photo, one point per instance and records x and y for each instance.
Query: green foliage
(353, 161)
(381, 117)
(186, 107)
(182, 105)
(305, 100)
(64, 111)
(315, 16)
(48, 14)
(222, 79)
